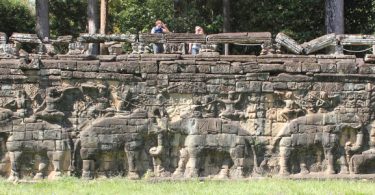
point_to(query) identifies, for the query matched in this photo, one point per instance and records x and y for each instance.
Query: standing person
(160, 27)
(195, 47)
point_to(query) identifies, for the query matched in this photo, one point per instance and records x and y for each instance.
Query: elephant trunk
(358, 144)
(156, 151)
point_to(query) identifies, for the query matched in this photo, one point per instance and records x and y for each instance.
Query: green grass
(195, 187)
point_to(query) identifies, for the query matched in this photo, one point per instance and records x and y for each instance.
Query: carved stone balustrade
(176, 42)
(3, 38)
(101, 38)
(288, 43)
(319, 43)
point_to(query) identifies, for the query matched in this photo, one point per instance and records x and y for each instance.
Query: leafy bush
(67, 17)
(16, 16)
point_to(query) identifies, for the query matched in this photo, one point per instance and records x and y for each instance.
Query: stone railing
(175, 42)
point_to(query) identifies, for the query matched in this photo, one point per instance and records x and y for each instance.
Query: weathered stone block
(66, 74)
(220, 69)
(195, 140)
(310, 67)
(267, 87)
(168, 67)
(346, 68)
(109, 66)
(328, 67)
(283, 77)
(257, 76)
(204, 68)
(272, 67)
(249, 86)
(88, 66)
(52, 134)
(18, 136)
(227, 140)
(212, 140)
(148, 67)
(14, 145)
(67, 64)
(293, 66)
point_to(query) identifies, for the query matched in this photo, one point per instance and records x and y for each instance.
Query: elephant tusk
(156, 151)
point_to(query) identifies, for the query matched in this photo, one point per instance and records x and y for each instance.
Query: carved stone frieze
(174, 115)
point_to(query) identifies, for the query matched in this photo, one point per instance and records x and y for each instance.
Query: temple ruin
(294, 110)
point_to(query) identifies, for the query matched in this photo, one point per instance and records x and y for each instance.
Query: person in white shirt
(195, 47)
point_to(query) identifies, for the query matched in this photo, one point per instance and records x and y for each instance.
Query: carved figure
(323, 103)
(291, 109)
(127, 101)
(358, 159)
(306, 131)
(19, 105)
(230, 111)
(157, 155)
(211, 108)
(211, 133)
(5, 115)
(131, 133)
(50, 143)
(50, 111)
(4, 157)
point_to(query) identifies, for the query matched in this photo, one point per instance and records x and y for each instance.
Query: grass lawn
(123, 186)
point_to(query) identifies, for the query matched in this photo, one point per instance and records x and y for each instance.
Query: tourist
(195, 47)
(160, 27)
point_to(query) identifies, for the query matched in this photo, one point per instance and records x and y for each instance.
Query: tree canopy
(301, 19)
(16, 16)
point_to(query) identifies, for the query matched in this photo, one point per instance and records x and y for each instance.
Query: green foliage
(301, 19)
(140, 15)
(206, 14)
(67, 17)
(288, 16)
(16, 16)
(359, 16)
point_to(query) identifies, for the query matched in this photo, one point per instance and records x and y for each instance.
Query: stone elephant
(211, 134)
(316, 129)
(48, 141)
(124, 133)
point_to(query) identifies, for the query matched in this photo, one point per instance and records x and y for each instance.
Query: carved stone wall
(173, 115)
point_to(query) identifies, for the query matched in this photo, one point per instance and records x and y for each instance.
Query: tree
(103, 21)
(93, 23)
(226, 15)
(359, 16)
(334, 16)
(103, 16)
(226, 25)
(16, 17)
(42, 19)
(71, 21)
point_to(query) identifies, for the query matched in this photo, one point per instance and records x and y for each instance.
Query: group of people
(160, 27)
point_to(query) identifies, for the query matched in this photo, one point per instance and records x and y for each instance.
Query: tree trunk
(226, 17)
(42, 19)
(335, 16)
(93, 24)
(103, 22)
